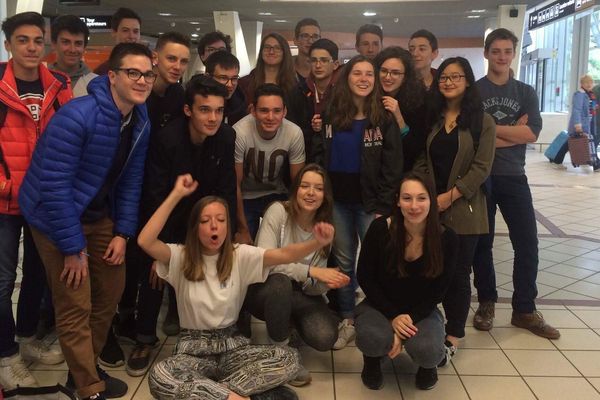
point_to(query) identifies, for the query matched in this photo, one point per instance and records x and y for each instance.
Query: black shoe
(114, 387)
(371, 374)
(111, 355)
(426, 378)
(97, 396)
(278, 393)
(139, 360)
(125, 329)
(450, 352)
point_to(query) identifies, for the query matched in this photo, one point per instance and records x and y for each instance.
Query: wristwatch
(121, 235)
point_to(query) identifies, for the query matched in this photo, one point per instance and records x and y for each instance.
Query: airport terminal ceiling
(449, 18)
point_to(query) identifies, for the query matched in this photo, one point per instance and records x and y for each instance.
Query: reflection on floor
(505, 363)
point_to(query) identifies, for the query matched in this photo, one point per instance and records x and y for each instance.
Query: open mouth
(214, 237)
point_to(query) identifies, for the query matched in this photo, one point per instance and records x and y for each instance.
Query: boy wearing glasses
(80, 197)
(515, 109)
(311, 96)
(211, 43)
(307, 32)
(224, 68)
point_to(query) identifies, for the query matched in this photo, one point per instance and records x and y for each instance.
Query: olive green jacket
(468, 214)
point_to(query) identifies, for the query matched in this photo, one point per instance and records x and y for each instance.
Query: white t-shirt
(208, 304)
(264, 159)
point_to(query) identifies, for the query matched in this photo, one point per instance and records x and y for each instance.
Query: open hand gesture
(323, 233)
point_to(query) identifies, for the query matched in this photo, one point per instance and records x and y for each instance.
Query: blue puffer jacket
(71, 162)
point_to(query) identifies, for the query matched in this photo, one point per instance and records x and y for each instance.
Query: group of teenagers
(250, 196)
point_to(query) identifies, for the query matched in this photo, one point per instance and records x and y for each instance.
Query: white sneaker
(346, 334)
(33, 349)
(14, 373)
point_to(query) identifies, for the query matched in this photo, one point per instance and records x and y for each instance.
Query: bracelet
(404, 131)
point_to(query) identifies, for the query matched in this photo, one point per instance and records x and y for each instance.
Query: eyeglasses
(274, 49)
(456, 77)
(224, 79)
(306, 36)
(136, 74)
(321, 60)
(211, 50)
(394, 73)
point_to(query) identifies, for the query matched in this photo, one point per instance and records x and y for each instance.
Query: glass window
(594, 56)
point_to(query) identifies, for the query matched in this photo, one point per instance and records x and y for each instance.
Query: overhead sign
(557, 10)
(98, 22)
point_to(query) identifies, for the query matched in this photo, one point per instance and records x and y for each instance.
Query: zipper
(454, 163)
(128, 158)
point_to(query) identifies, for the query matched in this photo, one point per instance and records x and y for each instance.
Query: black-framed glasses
(307, 36)
(136, 74)
(321, 60)
(394, 73)
(456, 77)
(224, 79)
(274, 49)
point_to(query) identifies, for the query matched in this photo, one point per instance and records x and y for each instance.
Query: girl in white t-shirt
(210, 275)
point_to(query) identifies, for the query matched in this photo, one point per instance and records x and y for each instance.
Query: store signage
(98, 22)
(557, 10)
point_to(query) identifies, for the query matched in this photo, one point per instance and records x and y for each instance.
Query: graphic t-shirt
(32, 95)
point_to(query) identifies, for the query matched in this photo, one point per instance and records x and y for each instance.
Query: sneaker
(97, 396)
(139, 360)
(113, 387)
(111, 355)
(14, 373)
(371, 374)
(302, 378)
(450, 352)
(33, 349)
(346, 334)
(535, 323)
(426, 378)
(170, 325)
(484, 316)
(278, 393)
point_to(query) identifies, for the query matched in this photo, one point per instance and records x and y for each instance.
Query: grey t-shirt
(506, 104)
(264, 159)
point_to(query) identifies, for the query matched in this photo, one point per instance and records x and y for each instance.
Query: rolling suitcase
(581, 148)
(558, 148)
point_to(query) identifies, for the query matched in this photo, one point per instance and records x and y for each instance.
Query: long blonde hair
(193, 259)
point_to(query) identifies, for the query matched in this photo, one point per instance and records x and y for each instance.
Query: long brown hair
(432, 241)
(324, 212)
(286, 76)
(193, 259)
(342, 109)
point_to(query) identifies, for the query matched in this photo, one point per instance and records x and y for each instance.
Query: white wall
(473, 54)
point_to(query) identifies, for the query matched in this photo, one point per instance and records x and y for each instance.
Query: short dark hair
(10, 25)
(500, 34)
(125, 49)
(121, 14)
(212, 37)
(203, 85)
(327, 45)
(369, 28)
(305, 22)
(268, 89)
(70, 23)
(223, 59)
(172, 37)
(424, 33)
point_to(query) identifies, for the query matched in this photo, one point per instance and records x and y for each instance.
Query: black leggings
(279, 301)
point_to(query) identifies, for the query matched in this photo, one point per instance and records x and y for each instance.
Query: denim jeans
(351, 222)
(512, 196)
(375, 336)
(32, 284)
(255, 208)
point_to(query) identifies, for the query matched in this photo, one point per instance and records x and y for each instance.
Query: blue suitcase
(558, 148)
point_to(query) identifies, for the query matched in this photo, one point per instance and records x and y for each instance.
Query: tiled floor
(506, 363)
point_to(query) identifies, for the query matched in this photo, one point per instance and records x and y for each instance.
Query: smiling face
(26, 46)
(455, 86)
(212, 228)
(127, 92)
(422, 53)
(311, 192)
(171, 61)
(361, 79)
(414, 202)
(128, 31)
(500, 55)
(269, 112)
(391, 75)
(69, 48)
(272, 53)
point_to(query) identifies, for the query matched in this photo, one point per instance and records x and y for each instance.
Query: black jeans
(458, 297)
(512, 195)
(279, 301)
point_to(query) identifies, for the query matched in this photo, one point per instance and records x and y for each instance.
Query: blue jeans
(512, 195)
(351, 222)
(32, 284)
(255, 208)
